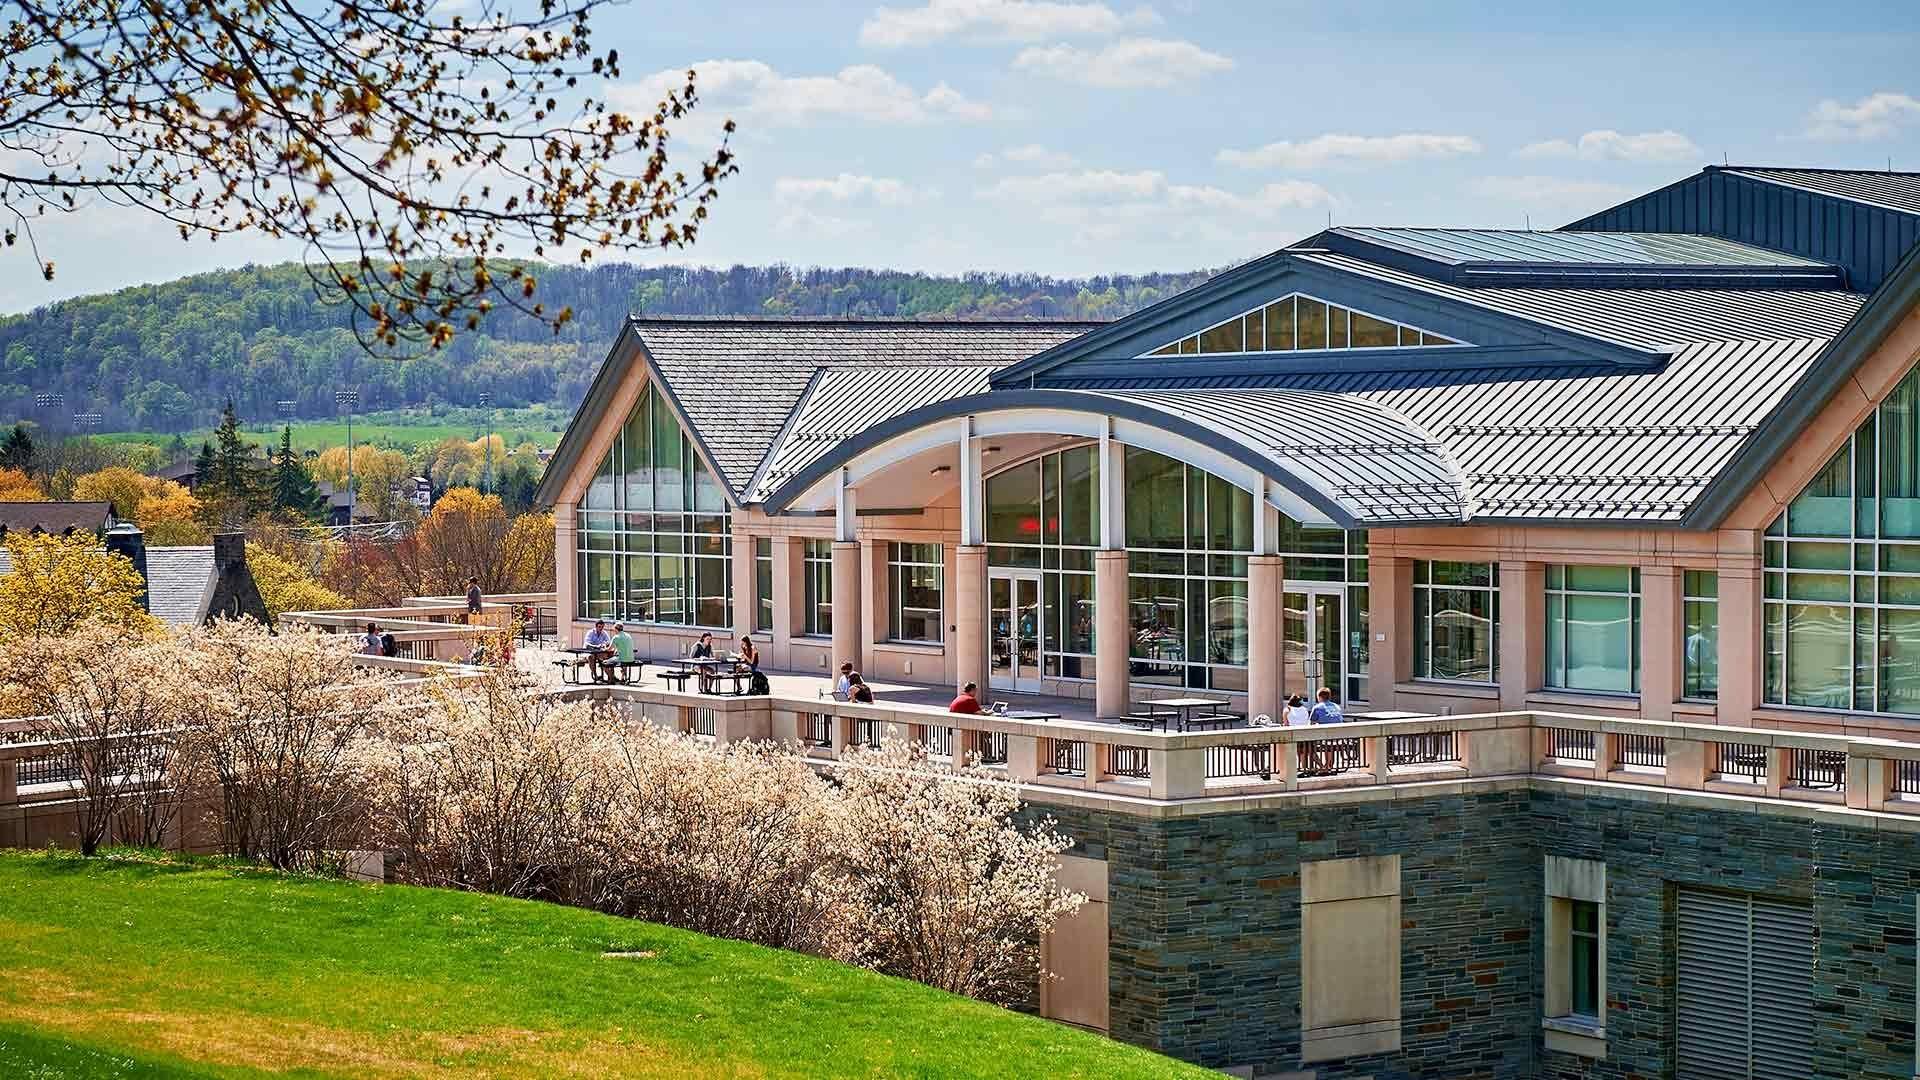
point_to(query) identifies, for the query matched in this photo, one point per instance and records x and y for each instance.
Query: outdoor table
(1029, 714)
(572, 672)
(1183, 707)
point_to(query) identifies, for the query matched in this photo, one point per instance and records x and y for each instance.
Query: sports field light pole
(350, 400)
(49, 405)
(486, 402)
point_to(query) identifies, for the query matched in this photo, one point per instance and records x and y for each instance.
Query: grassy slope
(394, 427)
(128, 967)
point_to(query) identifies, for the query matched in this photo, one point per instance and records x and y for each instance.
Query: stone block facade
(1205, 922)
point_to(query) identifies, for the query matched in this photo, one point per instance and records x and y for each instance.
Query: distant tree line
(164, 357)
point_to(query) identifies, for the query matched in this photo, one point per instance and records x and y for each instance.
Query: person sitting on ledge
(857, 689)
(968, 701)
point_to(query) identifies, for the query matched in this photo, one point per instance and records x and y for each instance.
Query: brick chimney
(125, 538)
(234, 592)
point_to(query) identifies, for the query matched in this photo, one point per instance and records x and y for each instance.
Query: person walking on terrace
(474, 600)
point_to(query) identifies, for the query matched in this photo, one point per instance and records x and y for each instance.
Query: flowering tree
(61, 583)
(953, 890)
(418, 156)
(116, 702)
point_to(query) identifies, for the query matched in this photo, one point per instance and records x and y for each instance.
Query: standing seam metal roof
(1893, 190)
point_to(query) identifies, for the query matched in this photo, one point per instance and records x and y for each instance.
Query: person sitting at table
(857, 689)
(1325, 709)
(622, 644)
(968, 701)
(1295, 714)
(599, 646)
(703, 650)
(843, 686)
(749, 662)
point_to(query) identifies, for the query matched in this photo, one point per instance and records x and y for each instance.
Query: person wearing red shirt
(968, 701)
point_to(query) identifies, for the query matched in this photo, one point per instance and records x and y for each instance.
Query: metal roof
(1893, 190)
(1466, 246)
(739, 380)
(1654, 319)
(845, 401)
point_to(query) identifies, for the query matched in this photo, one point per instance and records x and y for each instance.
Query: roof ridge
(860, 320)
(1812, 169)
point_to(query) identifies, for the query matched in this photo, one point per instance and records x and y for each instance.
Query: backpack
(759, 685)
(388, 646)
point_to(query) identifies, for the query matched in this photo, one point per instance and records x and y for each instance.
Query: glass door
(1014, 631)
(1312, 646)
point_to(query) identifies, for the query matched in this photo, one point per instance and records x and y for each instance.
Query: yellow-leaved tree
(119, 485)
(17, 486)
(285, 587)
(170, 516)
(60, 583)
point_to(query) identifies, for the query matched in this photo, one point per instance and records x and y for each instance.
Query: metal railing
(1230, 761)
(1067, 757)
(1642, 751)
(1331, 757)
(1817, 769)
(703, 721)
(986, 747)
(867, 733)
(1130, 761)
(817, 729)
(1905, 779)
(937, 740)
(1745, 762)
(1570, 744)
(1430, 748)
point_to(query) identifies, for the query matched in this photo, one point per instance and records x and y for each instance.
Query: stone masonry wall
(1205, 924)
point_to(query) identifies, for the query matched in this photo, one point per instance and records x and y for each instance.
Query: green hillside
(133, 967)
(163, 358)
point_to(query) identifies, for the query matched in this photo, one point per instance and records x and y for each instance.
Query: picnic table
(714, 670)
(1029, 714)
(1182, 710)
(570, 669)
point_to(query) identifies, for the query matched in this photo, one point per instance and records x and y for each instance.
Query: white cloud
(1001, 20)
(1609, 145)
(1066, 187)
(754, 89)
(1332, 149)
(1542, 193)
(1105, 206)
(1131, 62)
(845, 188)
(1032, 154)
(1875, 116)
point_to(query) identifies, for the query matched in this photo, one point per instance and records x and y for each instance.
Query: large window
(817, 575)
(1700, 673)
(763, 584)
(916, 575)
(1301, 322)
(1456, 621)
(1188, 538)
(1044, 514)
(1593, 628)
(655, 540)
(1842, 580)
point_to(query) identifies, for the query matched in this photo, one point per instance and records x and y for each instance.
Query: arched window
(1843, 574)
(655, 537)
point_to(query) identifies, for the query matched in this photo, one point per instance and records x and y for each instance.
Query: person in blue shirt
(601, 643)
(1325, 709)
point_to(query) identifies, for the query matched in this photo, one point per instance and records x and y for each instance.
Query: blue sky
(1078, 137)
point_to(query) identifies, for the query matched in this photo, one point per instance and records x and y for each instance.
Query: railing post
(1023, 757)
(1779, 761)
(1177, 774)
(1502, 751)
(1866, 782)
(1606, 751)
(1286, 763)
(1376, 747)
(842, 732)
(1686, 764)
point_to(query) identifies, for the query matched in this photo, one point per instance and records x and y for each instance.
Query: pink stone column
(745, 603)
(1523, 604)
(876, 600)
(566, 565)
(847, 639)
(970, 616)
(1660, 641)
(1265, 574)
(1111, 694)
(1390, 625)
(1741, 652)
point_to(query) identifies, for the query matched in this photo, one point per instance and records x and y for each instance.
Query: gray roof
(55, 517)
(179, 582)
(1458, 246)
(739, 380)
(1654, 319)
(844, 401)
(1893, 190)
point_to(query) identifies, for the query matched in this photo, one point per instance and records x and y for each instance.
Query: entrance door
(1311, 647)
(1013, 631)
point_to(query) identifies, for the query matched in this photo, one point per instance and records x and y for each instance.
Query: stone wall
(1205, 922)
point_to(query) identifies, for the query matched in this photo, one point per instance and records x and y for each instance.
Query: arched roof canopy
(1325, 458)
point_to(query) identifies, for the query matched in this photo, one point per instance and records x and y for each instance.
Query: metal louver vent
(1745, 982)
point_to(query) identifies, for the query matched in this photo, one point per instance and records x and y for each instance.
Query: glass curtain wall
(1044, 514)
(655, 542)
(1339, 558)
(1188, 538)
(1593, 628)
(817, 591)
(1700, 597)
(1456, 621)
(1842, 580)
(763, 584)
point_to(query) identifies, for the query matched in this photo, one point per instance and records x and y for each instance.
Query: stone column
(566, 565)
(1742, 655)
(788, 595)
(1523, 600)
(847, 639)
(970, 616)
(745, 602)
(1264, 576)
(1660, 641)
(1110, 636)
(1390, 626)
(876, 600)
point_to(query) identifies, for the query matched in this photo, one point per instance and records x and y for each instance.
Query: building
(1659, 466)
(60, 518)
(189, 584)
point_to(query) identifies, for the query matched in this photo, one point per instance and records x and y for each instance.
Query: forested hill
(165, 357)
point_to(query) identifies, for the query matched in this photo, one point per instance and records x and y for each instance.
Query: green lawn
(138, 966)
(397, 428)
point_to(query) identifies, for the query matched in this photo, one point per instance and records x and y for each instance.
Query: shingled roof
(55, 517)
(738, 380)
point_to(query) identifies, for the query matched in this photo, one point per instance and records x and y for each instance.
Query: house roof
(180, 582)
(56, 517)
(1892, 190)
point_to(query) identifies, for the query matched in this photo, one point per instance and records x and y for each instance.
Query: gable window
(655, 542)
(1299, 322)
(1456, 621)
(1593, 628)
